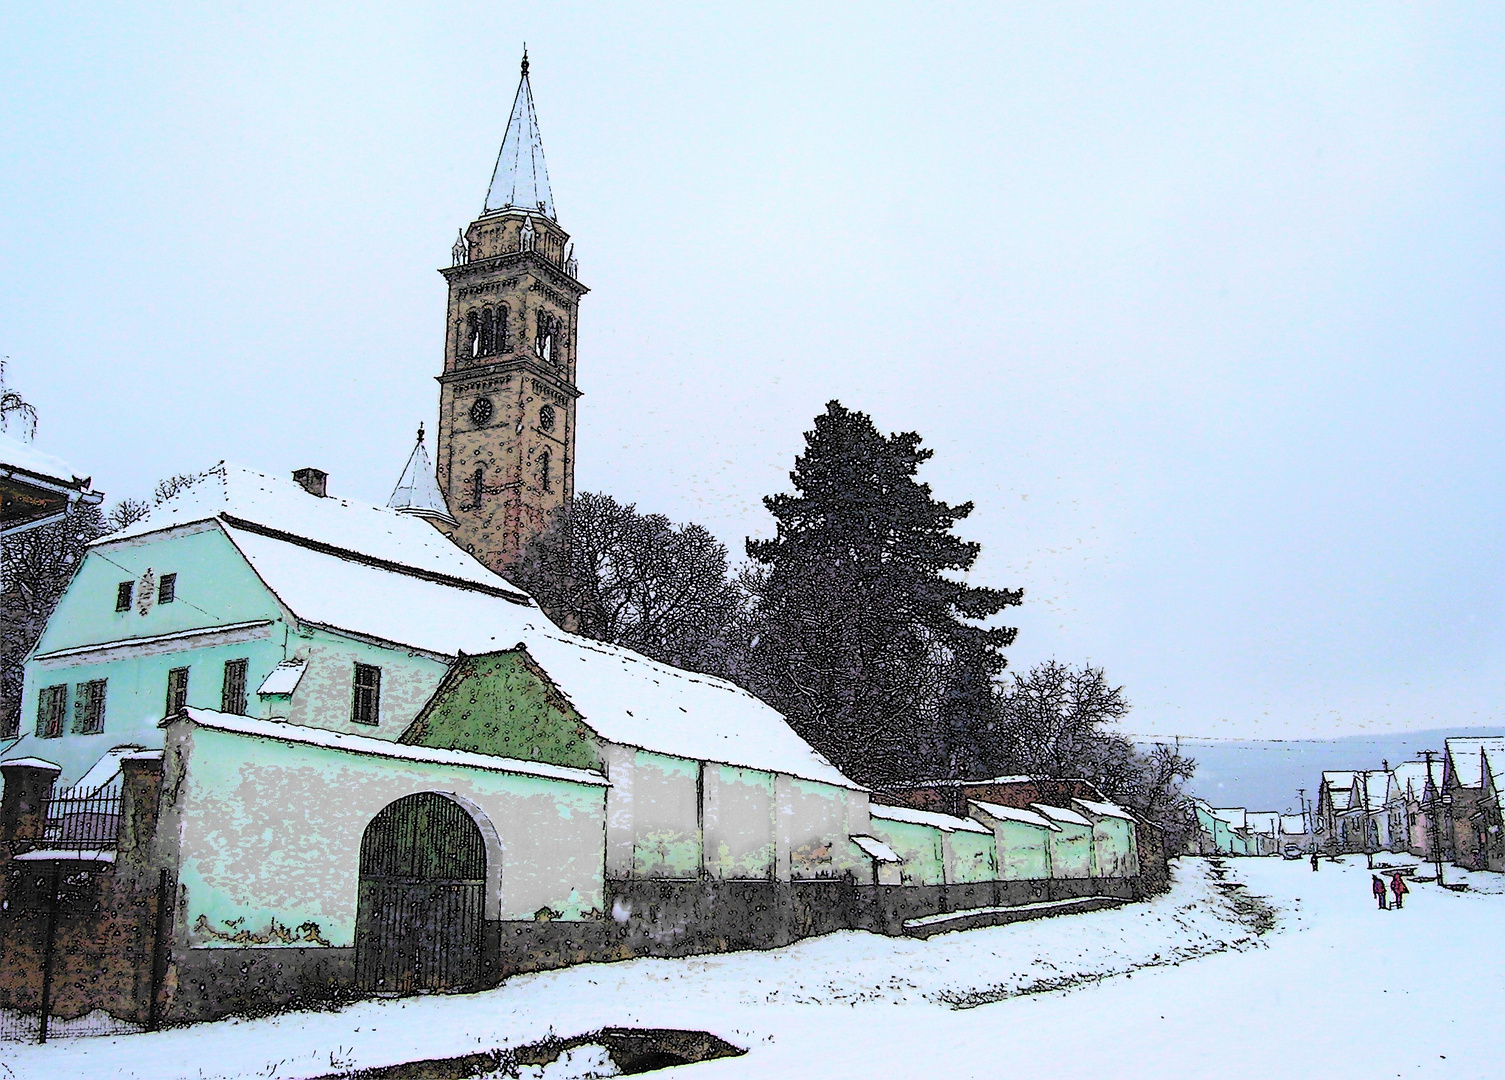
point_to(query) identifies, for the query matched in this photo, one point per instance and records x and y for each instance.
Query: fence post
(47, 956)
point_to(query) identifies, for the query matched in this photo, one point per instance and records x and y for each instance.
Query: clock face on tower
(481, 412)
(546, 418)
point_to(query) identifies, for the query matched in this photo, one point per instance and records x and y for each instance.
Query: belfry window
(501, 329)
(488, 332)
(547, 330)
(472, 343)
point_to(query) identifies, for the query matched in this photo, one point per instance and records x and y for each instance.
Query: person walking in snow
(1378, 888)
(1398, 887)
(1315, 864)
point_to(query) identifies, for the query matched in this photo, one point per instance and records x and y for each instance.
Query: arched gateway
(421, 898)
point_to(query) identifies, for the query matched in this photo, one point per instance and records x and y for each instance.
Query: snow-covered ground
(1204, 981)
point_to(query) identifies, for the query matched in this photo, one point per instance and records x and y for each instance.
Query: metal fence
(77, 820)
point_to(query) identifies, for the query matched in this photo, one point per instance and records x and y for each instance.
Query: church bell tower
(506, 448)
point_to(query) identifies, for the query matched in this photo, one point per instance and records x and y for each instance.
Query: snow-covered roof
(417, 491)
(284, 678)
(1235, 816)
(876, 849)
(1463, 756)
(282, 731)
(1411, 778)
(1265, 822)
(103, 771)
(1334, 778)
(625, 697)
(1292, 825)
(1011, 813)
(1104, 809)
(275, 505)
(1060, 814)
(1494, 761)
(520, 178)
(24, 456)
(944, 822)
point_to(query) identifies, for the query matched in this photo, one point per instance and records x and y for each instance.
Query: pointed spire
(520, 178)
(418, 493)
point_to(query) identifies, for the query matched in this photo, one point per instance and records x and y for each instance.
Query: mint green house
(1021, 840)
(936, 849)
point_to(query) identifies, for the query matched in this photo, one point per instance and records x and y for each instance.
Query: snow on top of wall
(33, 763)
(283, 505)
(625, 697)
(876, 849)
(1104, 809)
(1011, 813)
(944, 822)
(282, 731)
(1060, 814)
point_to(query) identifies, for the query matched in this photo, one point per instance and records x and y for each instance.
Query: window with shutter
(52, 706)
(177, 690)
(89, 707)
(365, 707)
(123, 595)
(233, 696)
(167, 589)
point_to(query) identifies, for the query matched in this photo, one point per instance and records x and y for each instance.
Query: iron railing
(76, 820)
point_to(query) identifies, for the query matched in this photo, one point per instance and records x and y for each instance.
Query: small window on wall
(365, 706)
(167, 589)
(233, 695)
(52, 706)
(177, 690)
(123, 595)
(89, 707)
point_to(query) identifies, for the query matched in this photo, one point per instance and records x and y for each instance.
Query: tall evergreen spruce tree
(876, 656)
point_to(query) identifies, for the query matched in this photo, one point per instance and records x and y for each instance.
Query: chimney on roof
(1384, 765)
(313, 481)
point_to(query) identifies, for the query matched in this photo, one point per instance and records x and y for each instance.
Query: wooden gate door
(419, 906)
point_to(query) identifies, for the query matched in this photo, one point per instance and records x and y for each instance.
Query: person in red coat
(1398, 887)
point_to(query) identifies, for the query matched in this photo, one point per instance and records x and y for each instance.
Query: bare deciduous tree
(614, 574)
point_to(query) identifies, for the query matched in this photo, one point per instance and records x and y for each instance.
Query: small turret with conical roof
(506, 446)
(417, 492)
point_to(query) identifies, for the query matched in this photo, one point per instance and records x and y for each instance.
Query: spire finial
(420, 431)
(525, 59)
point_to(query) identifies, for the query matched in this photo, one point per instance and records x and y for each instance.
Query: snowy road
(1185, 986)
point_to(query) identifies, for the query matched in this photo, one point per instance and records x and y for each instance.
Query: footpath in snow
(1272, 971)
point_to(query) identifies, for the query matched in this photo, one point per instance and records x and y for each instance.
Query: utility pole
(1433, 804)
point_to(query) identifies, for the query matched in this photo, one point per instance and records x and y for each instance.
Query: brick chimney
(313, 481)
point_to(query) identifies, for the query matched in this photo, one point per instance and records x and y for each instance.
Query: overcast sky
(1200, 304)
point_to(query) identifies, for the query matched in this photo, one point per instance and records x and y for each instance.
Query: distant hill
(1261, 774)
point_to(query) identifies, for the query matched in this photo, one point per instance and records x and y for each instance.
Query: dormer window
(365, 705)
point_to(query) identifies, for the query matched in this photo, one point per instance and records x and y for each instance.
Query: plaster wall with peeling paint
(268, 836)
